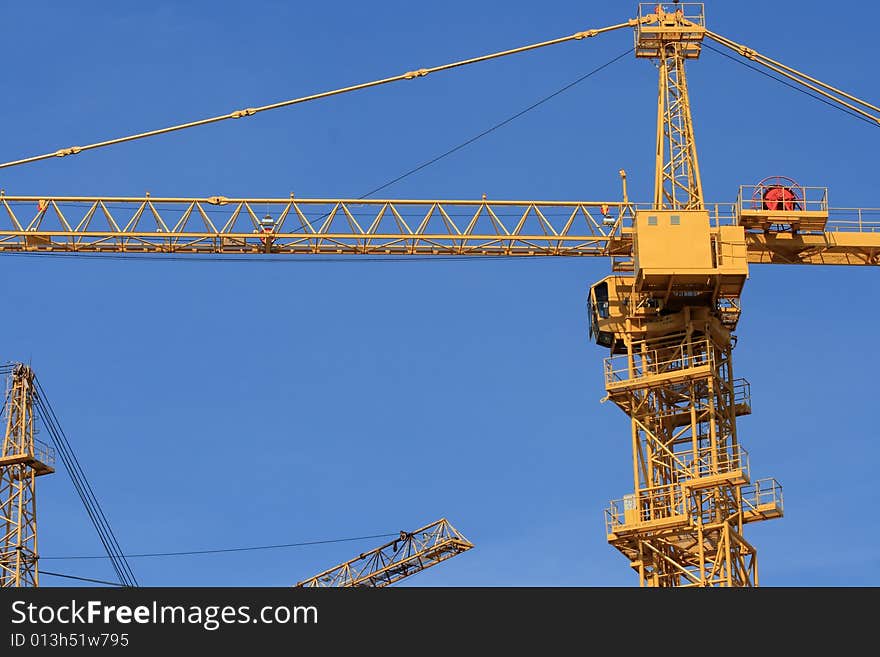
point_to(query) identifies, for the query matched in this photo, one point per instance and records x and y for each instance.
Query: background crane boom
(412, 553)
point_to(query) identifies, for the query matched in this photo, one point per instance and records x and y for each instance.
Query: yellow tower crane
(666, 314)
(410, 553)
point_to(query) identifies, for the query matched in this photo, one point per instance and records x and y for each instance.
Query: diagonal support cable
(250, 111)
(842, 98)
(84, 489)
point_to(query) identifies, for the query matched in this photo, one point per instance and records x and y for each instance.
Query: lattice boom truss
(413, 552)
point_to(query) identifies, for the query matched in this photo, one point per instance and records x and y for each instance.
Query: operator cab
(604, 318)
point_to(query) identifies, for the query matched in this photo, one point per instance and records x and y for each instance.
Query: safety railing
(682, 397)
(742, 393)
(720, 214)
(658, 503)
(761, 495)
(693, 12)
(44, 453)
(616, 513)
(855, 220)
(709, 461)
(661, 358)
(688, 17)
(781, 197)
(859, 220)
(39, 451)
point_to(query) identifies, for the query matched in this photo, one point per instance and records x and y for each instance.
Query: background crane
(22, 460)
(255, 240)
(410, 553)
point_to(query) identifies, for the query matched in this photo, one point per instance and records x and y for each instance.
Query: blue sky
(232, 404)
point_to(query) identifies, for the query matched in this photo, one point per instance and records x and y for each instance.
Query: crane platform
(782, 207)
(41, 459)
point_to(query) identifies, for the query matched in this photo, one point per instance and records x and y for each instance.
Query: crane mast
(410, 553)
(668, 324)
(671, 40)
(22, 460)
